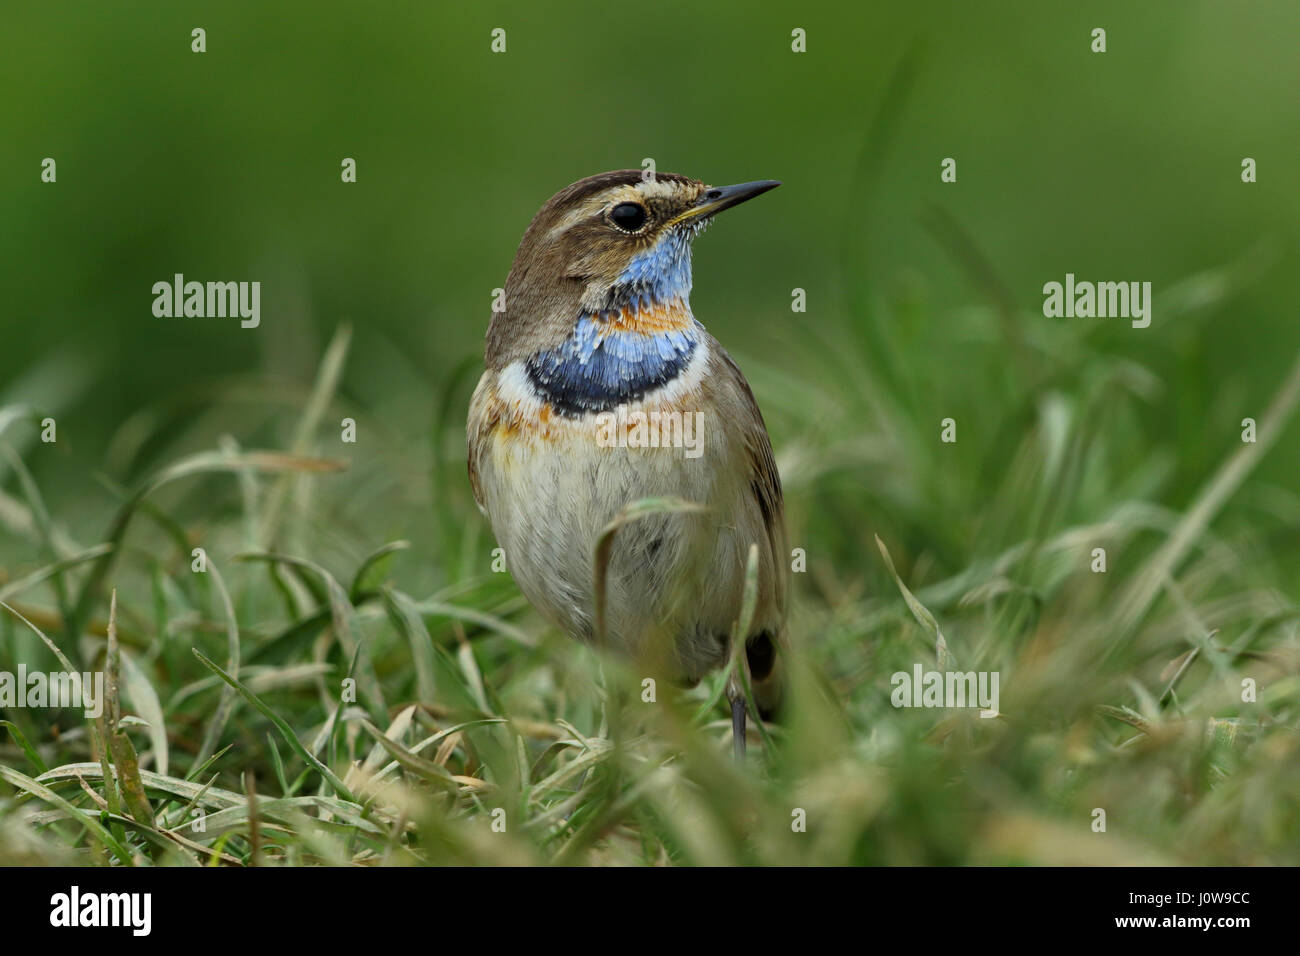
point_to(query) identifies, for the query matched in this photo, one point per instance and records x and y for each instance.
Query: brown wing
(765, 480)
(764, 645)
(478, 429)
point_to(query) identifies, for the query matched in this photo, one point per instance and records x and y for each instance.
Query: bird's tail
(766, 673)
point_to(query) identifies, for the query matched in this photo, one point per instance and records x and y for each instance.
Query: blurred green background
(924, 302)
(225, 165)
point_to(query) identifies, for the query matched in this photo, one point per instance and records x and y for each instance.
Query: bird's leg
(736, 695)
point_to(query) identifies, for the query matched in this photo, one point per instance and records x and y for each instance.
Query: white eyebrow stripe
(583, 211)
(641, 190)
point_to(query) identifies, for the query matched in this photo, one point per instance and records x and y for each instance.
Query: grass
(340, 676)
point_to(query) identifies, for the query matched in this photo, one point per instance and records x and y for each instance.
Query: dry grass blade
(227, 701)
(425, 769)
(125, 761)
(396, 731)
(919, 611)
(145, 700)
(205, 795)
(446, 734)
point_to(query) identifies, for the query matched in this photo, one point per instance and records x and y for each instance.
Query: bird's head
(609, 245)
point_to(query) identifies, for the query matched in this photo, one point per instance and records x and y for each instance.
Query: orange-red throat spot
(648, 318)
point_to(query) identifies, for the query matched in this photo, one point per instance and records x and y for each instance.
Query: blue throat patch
(660, 274)
(588, 373)
(596, 370)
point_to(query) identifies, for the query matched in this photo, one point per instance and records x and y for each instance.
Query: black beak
(718, 198)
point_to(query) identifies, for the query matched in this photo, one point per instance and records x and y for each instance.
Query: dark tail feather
(765, 673)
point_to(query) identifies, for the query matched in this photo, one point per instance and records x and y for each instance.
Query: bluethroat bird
(601, 389)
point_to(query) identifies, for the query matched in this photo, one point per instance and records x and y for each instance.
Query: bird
(601, 388)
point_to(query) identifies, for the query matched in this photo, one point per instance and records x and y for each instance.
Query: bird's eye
(629, 216)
